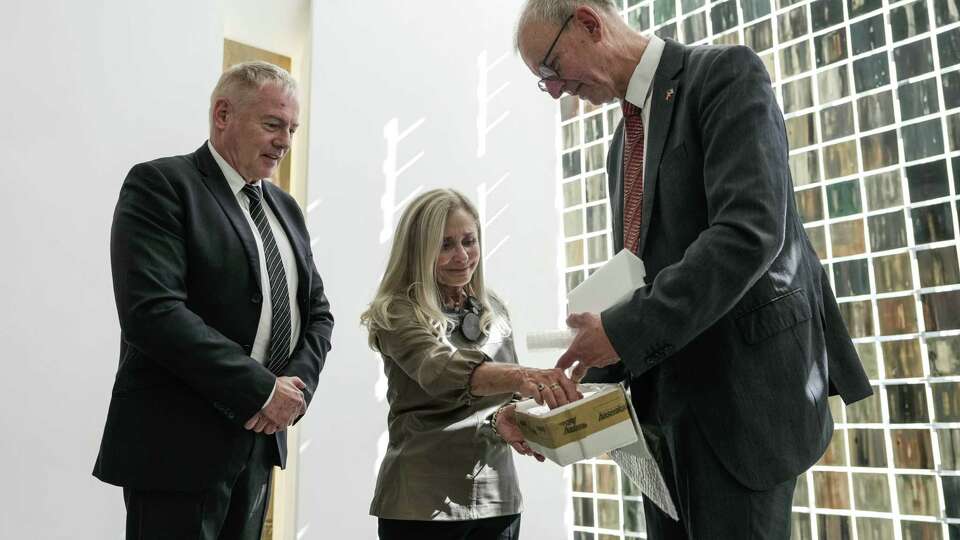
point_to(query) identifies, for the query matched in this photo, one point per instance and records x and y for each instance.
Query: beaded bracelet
(493, 421)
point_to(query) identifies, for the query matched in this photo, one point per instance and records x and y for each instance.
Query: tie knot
(252, 192)
(629, 109)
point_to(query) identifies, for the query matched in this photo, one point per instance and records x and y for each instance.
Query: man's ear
(222, 110)
(591, 21)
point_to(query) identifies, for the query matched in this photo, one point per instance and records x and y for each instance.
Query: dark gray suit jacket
(740, 327)
(186, 278)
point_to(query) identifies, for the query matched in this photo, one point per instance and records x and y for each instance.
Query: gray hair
(556, 12)
(240, 81)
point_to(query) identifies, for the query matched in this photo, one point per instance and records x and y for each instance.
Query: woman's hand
(506, 427)
(550, 386)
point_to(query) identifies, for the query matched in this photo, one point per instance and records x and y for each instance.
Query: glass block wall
(870, 91)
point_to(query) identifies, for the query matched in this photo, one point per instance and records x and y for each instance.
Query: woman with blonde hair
(452, 372)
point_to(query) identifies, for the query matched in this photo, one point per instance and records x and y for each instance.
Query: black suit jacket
(186, 278)
(740, 327)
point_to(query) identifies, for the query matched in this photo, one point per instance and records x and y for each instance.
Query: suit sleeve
(149, 263)
(746, 185)
(310, 355)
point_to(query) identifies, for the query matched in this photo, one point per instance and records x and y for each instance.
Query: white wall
(410, 60)
(90, 88)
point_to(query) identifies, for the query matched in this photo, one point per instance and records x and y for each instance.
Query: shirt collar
(642, 77)
(234, 179)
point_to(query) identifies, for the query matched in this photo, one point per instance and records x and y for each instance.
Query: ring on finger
(541, 386)
(554, 386)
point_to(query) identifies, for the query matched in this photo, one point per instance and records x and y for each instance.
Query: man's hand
(260, 424)
(511, 434)
(286, 404)
(591, 347)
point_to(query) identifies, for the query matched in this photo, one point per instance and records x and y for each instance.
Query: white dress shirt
(261, 343)
(640, 87)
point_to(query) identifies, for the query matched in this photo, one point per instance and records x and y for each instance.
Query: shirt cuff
(272, 392)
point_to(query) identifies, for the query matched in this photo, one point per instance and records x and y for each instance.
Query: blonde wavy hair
(410, 277)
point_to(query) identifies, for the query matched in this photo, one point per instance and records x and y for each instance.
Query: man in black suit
(224, 323)
(734, 346)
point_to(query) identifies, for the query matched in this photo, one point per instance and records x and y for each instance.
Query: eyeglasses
(550, 81)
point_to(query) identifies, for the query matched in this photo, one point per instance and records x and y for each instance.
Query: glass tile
(795, 59)
(951, 495)
(946, 11)
(614, 116)
(852, 278)
(858, 317)
(836, 452)
(797, 95)
(663, 10)
(583, 511)
(946, 401)
(837, 121)
(927, 181)
(639, 19)
(593, 127)
(867, 34)
(865, 411)
(932, 223)
(953, 131)
(913, 59)
(950, 82)
(723, 16)
(879, 150)
(918, 495)
(759, 37)
(871, 492)
(847, 238)
(836, 406)
(574, 253)
(583, 477)
(868, 358)
(897, 316)
(629, 488)
(826, 13)
(909, 20)
(918, 99)
(804, 168)
(831, 490)
(569, 107)
(834, 527)
(871, 72)
(597, 248)
(867, 448)
(917, 530)
(596, 218)
(583, 535)
(571, 135)
(597, 187)
(818, 241)
(883, 190)
(908, 403)
(607, 479)
(859, 7)
(573, 279)
(573, 223)
(833, 84)
(695, 27)
(754, 9)
(572, 194)
(801, 130)
(923, 139)
(944, 356)
(571, 164)
(730, 38)
(633, 519)
(949, 448)
(874, 528)
(941, 311)
(948, 46)
(831, 47)
(800, 495)
(912, 449)
(840, 159)
(902, 358)
(793, 24)
(595, 157)
(809, 204)
(892, 273)
(875, 111)
(608, 512)
(887, 231)
(800, 527)
(843, 199)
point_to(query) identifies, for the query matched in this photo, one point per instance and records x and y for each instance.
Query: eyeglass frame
(547, 73)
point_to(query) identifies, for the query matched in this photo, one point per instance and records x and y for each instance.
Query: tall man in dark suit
(224, 323)
(734, 346)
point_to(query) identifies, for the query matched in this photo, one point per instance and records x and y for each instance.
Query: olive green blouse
(443, 461)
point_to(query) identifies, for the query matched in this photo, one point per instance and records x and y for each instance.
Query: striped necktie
(632, 175)
(279, 297)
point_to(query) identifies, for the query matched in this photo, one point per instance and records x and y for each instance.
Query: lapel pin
(669, 96)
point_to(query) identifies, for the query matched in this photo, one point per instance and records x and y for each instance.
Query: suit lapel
(218, 186)
(297, 241)
(665, 90)
(615, 183)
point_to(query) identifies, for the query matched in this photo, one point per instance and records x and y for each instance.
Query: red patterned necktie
(632, 175)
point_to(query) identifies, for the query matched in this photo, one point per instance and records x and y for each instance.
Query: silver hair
(240, 81)
(556, 12)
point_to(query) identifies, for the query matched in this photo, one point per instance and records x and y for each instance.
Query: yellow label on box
(591, 416)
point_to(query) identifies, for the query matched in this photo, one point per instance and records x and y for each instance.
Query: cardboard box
(602, 421)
